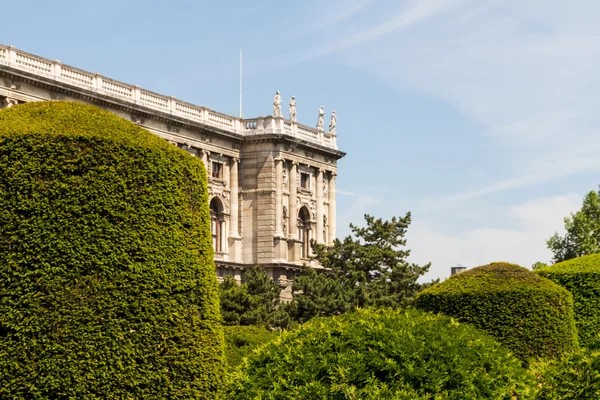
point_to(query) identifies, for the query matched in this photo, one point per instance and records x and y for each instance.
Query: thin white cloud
(417, 12)
(337, 12)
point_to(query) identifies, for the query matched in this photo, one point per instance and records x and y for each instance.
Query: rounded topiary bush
(531, 315)
(581, 276)
(107, 282)
(381, 354)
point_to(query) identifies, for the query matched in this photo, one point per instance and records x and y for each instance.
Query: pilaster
(234, 235)
(332, 209)
(319, 190)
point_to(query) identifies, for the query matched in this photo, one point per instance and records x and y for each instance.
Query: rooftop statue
(321, 120)
(277, 105)
(332, 123)
(293, 109)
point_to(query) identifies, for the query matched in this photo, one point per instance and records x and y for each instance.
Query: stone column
(278, 198)
(293, 201)
(319, 190)
(233, 183)
(234, 208)
(332, 209)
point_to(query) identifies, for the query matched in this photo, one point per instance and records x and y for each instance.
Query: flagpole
(241, 111)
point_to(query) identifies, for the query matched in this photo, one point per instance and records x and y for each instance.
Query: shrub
(378, 354)
(240, 341)
(581, 276)
(531, 315)
(576, 376)
(107, 279)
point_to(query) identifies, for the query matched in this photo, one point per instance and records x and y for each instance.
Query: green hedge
(581, 276)
(574, 377)
(381, 354)
(240, 341)
(107, 279)
(532, 315)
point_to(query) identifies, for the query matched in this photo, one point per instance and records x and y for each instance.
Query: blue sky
(478, 116)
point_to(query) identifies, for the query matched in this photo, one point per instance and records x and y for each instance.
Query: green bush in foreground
(581, 276)
(531, 315)
(575, 377)
(107, 280)
(240, 341)
(383, 354)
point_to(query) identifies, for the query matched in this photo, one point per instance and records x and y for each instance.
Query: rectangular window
(217, 170)
(304, 180)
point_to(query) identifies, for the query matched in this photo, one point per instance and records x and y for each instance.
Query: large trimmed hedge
(581, 276)
(381, 354)
(241, 340)
(532, 315)
(107, 279)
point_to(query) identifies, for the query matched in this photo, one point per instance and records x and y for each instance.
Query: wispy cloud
(337, 12)
(415, 12)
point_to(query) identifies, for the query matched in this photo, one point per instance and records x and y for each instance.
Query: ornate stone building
(271, 179)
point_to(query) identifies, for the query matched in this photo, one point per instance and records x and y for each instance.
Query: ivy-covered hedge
(531, 315)
(240, 341)
(581, 276)
(107, 279)
(381, 354)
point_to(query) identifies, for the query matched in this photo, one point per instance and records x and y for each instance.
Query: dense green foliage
(531, 315)
(254, 302)
(581, 276)
(241, 340)
(582, 235)
(574, 377)
(367, 270)
(107, 279)
(381, 354)
(538, 265)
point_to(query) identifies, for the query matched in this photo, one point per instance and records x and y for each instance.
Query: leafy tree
(583, 231)
(367, 270)
(538, 265)
(254, 302)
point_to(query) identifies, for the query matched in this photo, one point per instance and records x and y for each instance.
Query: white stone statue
(332, 123)
(321, 120)
(277, 105)
(293, 109)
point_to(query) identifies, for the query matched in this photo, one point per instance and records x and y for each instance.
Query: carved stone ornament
(313, 209)
(285, 218)
(8, 102)
(225, 196)
(285, 179)
(325, 186)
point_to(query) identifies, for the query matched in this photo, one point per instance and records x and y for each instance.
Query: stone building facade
(272, 180)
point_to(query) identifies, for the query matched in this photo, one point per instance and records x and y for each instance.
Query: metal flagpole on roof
(241, 111)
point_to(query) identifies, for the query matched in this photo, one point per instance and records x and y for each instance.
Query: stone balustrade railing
(59, 72)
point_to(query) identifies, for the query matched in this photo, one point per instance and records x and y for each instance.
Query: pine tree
(367, 270)
(254, 302)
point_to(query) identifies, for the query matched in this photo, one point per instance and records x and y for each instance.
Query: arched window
(216, 224)
(304, 231)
